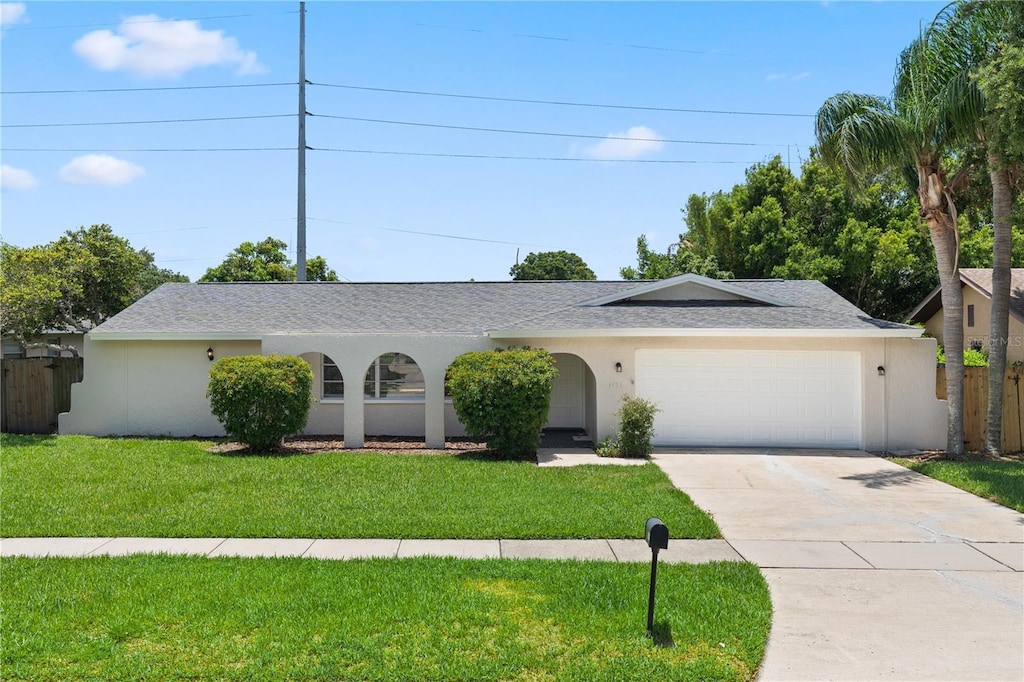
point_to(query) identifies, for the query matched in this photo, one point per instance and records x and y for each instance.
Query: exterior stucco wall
(899, 409)
(157, 387)
(354, 353)
(147, 388)
(982, 325)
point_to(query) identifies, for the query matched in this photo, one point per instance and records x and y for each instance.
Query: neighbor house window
(334, 386)
(394, 376)
(52, 352)
(970, 315)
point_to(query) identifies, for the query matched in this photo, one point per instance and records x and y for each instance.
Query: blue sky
(376, 216)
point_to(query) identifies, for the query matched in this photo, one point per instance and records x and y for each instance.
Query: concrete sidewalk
(987, 557)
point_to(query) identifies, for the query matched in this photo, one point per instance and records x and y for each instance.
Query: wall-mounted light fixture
(209, 354)
(618, 367)
(881, 371)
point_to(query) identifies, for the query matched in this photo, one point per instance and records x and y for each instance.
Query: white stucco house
(730, 363)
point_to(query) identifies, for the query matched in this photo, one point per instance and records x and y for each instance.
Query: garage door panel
(766, 398)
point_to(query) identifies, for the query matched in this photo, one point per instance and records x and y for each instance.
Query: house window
(970, 315)
(394, 376)
(13, 349)
(333, 384)
(51, 351)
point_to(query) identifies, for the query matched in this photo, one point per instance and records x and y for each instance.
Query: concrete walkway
(945, 598)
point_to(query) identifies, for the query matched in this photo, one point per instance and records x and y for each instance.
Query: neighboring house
(45, 345)
(977, 288)
(729, 363)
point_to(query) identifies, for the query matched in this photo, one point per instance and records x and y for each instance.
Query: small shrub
(502, 396)
(609, 447)
(260, 399)
(636, 426)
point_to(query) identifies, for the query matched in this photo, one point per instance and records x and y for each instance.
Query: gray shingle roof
(466, 308)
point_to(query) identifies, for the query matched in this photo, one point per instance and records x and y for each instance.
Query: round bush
(502, 396)
(260, 399)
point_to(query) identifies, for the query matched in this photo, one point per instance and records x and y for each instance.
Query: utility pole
(300, 243)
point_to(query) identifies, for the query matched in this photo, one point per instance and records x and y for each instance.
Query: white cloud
(631, 144)
(149, 46)
(16, 178)
(12, 13)
(99, 169)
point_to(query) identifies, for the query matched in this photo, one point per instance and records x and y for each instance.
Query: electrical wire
(126, 123)
(561, 103)
(146, 21)
(514, 158)
(535, 132)
(155, 89)
(135, 149)
(427, 234)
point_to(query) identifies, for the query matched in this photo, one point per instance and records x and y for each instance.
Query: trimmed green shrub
(260, 399)
(636, 426)
(502, 396)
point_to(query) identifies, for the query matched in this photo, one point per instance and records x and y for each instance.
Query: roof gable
(688, 287)
(979, 279)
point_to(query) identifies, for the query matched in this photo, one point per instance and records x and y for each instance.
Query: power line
(145, 21)
(135, 149)
(517, 158)
(428, 234)
(562, 103)
(560, 39)
(535, 132)
(175, 87)
(126, 123)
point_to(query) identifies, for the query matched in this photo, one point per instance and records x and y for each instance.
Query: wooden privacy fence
(976, 407)
(33, 391)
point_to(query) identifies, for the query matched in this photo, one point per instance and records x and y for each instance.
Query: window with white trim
(394, 376)
(333, 384)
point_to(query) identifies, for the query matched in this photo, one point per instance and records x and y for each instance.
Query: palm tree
(962, 38)
(864, 135)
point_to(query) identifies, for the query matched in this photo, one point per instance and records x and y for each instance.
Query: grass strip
(173, 617)
(98, 487)
(1000, 482)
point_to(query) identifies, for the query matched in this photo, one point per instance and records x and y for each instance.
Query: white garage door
(756, 398)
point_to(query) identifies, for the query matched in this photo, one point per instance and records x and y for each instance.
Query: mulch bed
(390, 445)
(940, 456)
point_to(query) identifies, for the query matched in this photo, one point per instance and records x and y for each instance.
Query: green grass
(98, 487)
(1001, 482)
(161, 617)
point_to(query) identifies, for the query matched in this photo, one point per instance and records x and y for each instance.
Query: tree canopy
(266, 261)
(75, 283)
(551, 265)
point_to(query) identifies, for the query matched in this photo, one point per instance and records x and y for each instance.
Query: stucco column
(434, 408)
(353, 415)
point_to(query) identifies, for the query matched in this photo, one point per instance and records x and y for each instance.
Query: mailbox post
(656, 535)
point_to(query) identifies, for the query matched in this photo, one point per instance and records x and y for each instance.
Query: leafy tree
(260, 399)
(318, 271)
(266, 261)
(653, 265)
(76, 282)
(551, 265)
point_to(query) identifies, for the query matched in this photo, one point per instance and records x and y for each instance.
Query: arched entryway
(573, 396)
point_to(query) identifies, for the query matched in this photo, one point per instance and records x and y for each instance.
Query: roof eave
(743, 332)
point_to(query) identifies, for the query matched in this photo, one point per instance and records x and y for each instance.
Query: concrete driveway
(876, 572)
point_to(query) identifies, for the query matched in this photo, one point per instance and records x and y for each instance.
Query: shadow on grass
(661, 635)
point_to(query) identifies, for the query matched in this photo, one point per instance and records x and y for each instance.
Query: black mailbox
(656, 534)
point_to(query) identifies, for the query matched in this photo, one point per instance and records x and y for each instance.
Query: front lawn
(100, 487)
(1001, 482)
(164, 617)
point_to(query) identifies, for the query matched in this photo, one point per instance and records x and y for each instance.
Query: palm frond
(861, 135)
